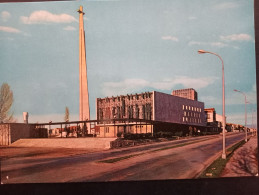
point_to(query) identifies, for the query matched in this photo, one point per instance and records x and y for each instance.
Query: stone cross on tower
(84, 110)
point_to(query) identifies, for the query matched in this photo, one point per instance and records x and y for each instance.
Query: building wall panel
(11, 132)
(169, 108)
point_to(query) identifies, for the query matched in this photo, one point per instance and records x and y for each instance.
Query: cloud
(226, 5)
(69, 28)
(216, 44)
(45, 118)
(5, 15)
(192, 18)
(9, 29)
(228, 38)
(172, 38)
(45, 17)
(134, 85)
(232, 99)
(210, 100)
(124, 87)
(237, 37)
(239, 118)
(236, 98)
(196, 83)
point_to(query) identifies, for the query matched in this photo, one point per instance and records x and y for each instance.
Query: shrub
(127, 136)
(119, 134)
(157, 134)
(131, 136)
(163, 134)
(148, 135)
(179, 133)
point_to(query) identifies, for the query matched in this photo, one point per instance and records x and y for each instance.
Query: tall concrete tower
(84, 110)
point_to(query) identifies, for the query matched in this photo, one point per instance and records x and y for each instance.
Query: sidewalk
(244, 161)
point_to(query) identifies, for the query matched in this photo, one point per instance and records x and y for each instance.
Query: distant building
(233, 127)
(219, 119)
(210, 115)
(189, 93)
(154, 106)
(212, 123)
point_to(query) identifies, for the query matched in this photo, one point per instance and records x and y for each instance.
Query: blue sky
(131, 47)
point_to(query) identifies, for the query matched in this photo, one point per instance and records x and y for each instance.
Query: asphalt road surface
(179, 159)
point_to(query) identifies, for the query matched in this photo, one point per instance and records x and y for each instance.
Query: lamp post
(245, 111)
(223, 104)
(253, 125)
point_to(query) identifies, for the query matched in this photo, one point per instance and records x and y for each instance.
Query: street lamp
(245, 110)
(223, 104)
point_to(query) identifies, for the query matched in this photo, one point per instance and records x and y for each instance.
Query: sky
(131, 47)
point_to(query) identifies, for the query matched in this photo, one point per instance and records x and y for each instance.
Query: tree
(6, 101)
(66, 118)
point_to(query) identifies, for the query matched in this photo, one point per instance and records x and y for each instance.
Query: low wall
(93, 143)
(20, 130)
(11, 132)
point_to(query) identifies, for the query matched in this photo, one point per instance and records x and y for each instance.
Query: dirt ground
(244, 162)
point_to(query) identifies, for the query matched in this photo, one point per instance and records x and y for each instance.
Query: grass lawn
(216, 168)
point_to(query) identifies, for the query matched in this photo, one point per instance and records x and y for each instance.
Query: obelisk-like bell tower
(84, 110)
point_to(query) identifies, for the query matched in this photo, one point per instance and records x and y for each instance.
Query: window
(143, 112)
(113, 112)
(184, 113)
(183, 107)
(183, 119)
(137, 111)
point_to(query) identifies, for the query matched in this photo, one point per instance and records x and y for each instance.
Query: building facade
(189, 93)
(138, 106)
(155, 106)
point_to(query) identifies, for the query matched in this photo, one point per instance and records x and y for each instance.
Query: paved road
(179, 159)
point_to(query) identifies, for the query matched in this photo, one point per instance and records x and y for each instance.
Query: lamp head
(201, 51)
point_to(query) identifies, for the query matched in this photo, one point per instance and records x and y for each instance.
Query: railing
(88, 128)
